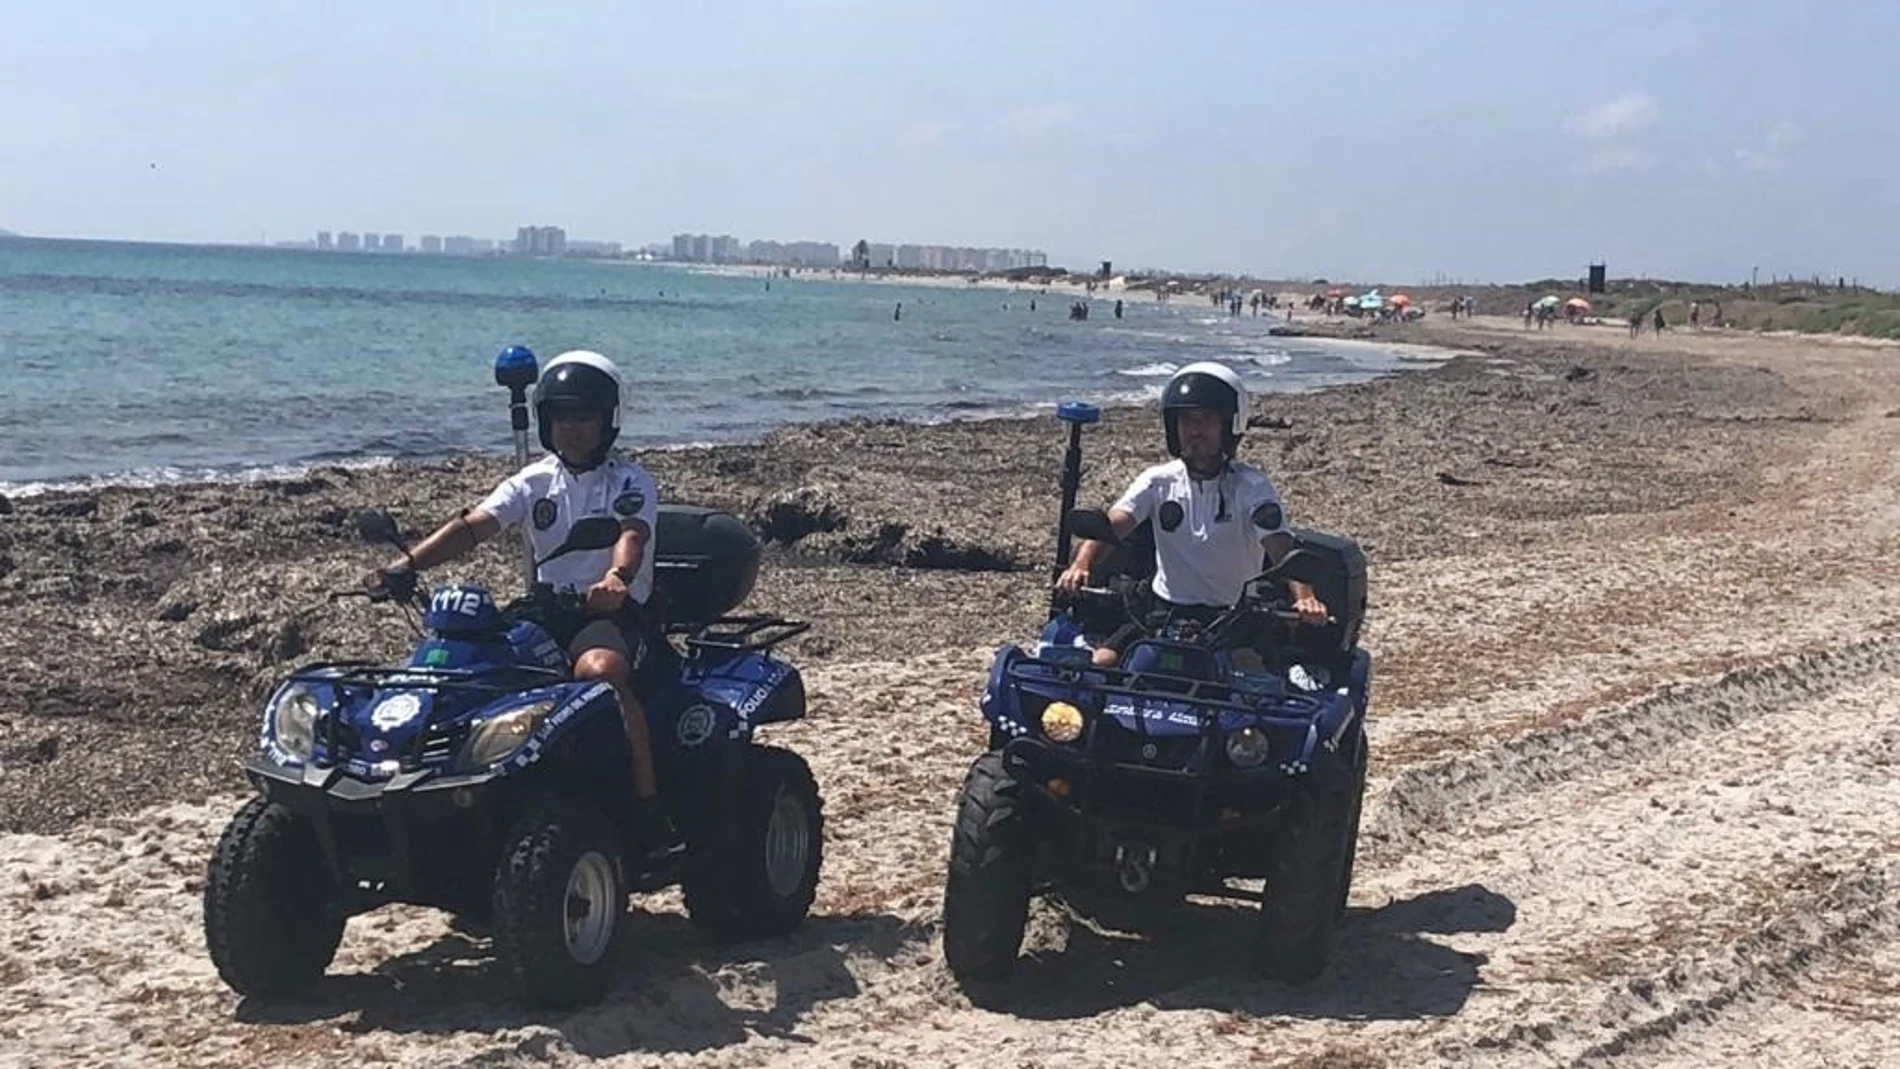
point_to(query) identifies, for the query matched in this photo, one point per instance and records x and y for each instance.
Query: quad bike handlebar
(400, 587)
(1214, 632)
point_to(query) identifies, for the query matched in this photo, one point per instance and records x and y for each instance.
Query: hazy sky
(1362, 140)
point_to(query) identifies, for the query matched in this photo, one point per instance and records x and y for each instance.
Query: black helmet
(1205, 385)
(585, 381)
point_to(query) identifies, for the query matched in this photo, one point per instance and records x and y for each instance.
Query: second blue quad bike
(481, 778)
(1223, 749)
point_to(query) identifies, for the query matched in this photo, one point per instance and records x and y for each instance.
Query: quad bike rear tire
(273, 916)
(761, 883)
(986, 897)
(1310, 873)
(559, 898)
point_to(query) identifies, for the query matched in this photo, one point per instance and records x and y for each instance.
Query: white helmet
(1205, 384)
(580, 379)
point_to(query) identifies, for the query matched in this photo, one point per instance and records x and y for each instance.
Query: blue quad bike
(1182, 768)
(481, 778)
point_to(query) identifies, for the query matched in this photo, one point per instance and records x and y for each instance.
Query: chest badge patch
(629, 503)
(1171, 515)
(544, 514)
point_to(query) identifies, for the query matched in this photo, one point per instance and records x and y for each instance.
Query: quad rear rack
(740, 634)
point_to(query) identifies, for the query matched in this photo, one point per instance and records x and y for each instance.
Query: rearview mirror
(1092, 524)
(594, 532)
(377, 525)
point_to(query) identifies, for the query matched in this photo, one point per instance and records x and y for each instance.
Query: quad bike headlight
(1248, 748)
(499, 737)
(1062, 722)
(293, 723)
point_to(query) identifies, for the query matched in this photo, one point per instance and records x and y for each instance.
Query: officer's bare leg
(609, 666)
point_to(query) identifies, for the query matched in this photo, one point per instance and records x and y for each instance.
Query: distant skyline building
(540, 241)
(702, 248)
(696, 248)
(726, 249)
(953, 258)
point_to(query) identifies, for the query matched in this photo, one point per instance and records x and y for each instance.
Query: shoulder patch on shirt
(1268, 516)
(629, 503)
(1171, 515)
(544, 510)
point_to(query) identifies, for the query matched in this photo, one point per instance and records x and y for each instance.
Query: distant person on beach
(1660, 325)
(897, 315)
(1118, 308)
(1212, 513)
(577, 409)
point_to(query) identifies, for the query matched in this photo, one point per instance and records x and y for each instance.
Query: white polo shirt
(550, 497)
(1204, 552)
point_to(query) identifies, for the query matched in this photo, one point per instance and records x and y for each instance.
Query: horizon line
(1850, 281)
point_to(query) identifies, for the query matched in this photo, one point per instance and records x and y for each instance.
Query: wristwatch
(622, 573)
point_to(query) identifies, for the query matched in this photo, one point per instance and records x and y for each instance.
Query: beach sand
(1637, 660)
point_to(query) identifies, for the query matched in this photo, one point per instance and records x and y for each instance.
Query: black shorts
(623, 632)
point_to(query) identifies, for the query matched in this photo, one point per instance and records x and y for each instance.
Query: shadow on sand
(666, 996)
(1196, 957)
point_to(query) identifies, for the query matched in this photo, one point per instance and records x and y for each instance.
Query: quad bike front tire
(986, 896)
(273, 916)
(559, 897)
(1359, 759)
(1310, 873)
(761, 882)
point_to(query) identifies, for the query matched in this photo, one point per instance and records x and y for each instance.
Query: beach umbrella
(1401, 299)
(1546, 301)
(1578, 303)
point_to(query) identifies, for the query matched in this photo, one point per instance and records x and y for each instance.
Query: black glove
(386, 583)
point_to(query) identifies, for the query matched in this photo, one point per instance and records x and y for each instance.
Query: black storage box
(705, 563)
(1342, 588)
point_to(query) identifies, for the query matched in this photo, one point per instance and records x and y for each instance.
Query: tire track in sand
(1853, 922)
(1657, 887)
(1430, 798)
